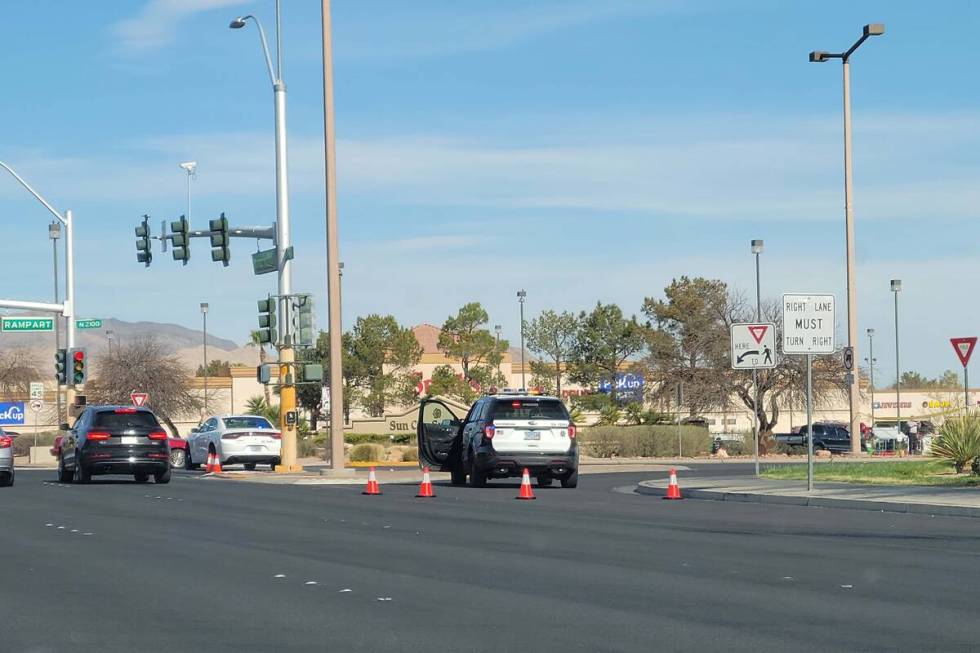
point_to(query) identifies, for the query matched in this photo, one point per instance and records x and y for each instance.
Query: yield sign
(139, 398)
(964, 348)
(758, 332)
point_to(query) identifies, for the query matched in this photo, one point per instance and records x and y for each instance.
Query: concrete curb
(817, 502)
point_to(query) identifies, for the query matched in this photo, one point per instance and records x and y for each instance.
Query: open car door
(439, 431)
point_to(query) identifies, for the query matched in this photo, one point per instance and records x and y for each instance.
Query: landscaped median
(911, 472)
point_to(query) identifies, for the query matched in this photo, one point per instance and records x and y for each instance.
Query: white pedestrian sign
(809, 324)
(753, 346)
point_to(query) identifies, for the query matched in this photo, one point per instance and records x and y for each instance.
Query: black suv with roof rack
(499, 437)
(114, 440)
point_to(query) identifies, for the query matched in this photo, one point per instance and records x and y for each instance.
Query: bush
(743, 447)
(379, 438)
(367, 453)
(644, 441)
(24, 442)
(410, 455)
(959, 442)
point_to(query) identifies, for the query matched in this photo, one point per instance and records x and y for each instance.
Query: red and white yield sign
(139, 398)
(753, 346)
(964, 348)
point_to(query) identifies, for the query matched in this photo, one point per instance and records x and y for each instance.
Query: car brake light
(6, 441)
(276, 436)
(124, 411)
(231, 436)
(99, 435)
(571, 431)
(489, 430)
(158, 435)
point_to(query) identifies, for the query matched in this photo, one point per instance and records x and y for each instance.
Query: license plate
(256, 448)
(129, 439)
(532, 435)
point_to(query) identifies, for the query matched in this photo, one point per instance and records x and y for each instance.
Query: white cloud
(156, 24)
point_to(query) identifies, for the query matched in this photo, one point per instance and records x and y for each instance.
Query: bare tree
(17, 369)
(142, 365)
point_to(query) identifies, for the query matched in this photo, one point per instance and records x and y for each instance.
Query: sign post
(964, 349)
(754, 348)
(36, 406)
(809, 328)
(37, 390)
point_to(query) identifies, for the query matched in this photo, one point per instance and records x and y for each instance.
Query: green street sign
(23, 324)
(264, 262)
(88, 324)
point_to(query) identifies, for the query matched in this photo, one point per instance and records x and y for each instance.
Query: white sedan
(236, 439)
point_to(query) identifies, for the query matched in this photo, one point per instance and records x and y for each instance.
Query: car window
(246, 422)
(473, 412)
(125, 419)
(211, 424)
(529, 409)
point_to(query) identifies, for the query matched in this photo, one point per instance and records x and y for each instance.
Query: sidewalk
(949, 502)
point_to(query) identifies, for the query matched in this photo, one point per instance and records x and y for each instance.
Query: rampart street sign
(26, 324)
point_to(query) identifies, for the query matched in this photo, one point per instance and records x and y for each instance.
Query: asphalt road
(213, 565)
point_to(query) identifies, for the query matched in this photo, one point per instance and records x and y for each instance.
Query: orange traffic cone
(673, 490)
(425, 490)
(209, 467)
(372, 484)
(526, 492)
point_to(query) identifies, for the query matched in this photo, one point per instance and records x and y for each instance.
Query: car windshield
(123, 420)
(530, 409)
(246, 422)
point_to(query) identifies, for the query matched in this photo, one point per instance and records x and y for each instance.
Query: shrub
(367, 453)
(24, 442)
(379, 438)
(410, 455)
(958, 441)
(644, 441)
(743, 447)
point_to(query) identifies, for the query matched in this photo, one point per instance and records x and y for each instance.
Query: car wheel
(141, 477)
(6, 480)
(64, 476)
(545, 480)
(82, 475)
(178, 458)
(457, 475)
(571, 480)
(275, 463)
(189, 465)
(162, 478)
(477, 478)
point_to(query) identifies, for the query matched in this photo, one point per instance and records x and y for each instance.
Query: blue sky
(583, 150)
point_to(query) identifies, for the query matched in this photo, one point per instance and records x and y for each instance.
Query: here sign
(753, 346)
(809, 324)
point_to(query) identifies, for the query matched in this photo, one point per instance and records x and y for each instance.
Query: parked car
(6, 459)
(114, 440)
(499, 437)
(178, 452)
(829, 436)
(249, 440)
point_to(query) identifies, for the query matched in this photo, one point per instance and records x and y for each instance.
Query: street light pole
(287, 393)
(54, 233)
(333, 250)
(896, 286)
(873, 29)
(521, 295)
(497, 329)
(871, 370)
(108, 337)
(190, 167)
(204, 315)
(757, 247)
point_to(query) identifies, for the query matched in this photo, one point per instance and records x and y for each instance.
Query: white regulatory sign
(809, 324)
(37, 405)
(753, 346)
(37, 390)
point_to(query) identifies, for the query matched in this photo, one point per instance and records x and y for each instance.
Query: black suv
(114, 440)
(499, 437)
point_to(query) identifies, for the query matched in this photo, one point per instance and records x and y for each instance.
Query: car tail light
(489, 431)
(124, 411)
(276, 436)
(571, 431)
(6, 441)
(99, 435)
(232, 436)
(158, 435)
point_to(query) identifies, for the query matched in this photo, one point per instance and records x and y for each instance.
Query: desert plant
(410, 455)
(958, 441)
(366, 453)
(610, 415)
(644, 441)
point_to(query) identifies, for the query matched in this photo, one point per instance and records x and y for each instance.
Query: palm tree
(255, 340)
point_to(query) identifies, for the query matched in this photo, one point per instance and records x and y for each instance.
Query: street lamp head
(522, 294)
(818, 56)
(238, 23)
(189, 166)
(896, 285)
(54, 230)
(204, 308)
(498, 328)
(871, 333)
(757, 246)
(874, 29)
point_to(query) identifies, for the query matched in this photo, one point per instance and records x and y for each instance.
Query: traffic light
(78, 360)
(263, 373)
(303, 321)
(220, 246)
(311, 373)
(61, 366)
(181, 237)
(267, 320)
(143, 254)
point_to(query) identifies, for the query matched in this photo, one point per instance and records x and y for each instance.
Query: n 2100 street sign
(809, 324)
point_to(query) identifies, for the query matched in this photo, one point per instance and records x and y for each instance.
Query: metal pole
(333, 251)
(69, 311)
(898, 373)
(755, 374)
(680, 400)
(966, 391)
(853, 402)
(871, 365)
(57, 319)
(521, 296)
(205, 316)
(809, 423)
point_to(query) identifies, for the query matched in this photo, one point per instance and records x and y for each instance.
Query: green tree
(215, 368)
(464, 338)
(383, 356)
(553, 335)
(255, 340)
(605, 341)
(447, 382)
(949, 380)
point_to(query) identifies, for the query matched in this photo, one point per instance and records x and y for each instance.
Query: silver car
(6, 459)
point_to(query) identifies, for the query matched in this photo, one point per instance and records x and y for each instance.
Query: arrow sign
(139, 398)
(758, 332)
(964, 348)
